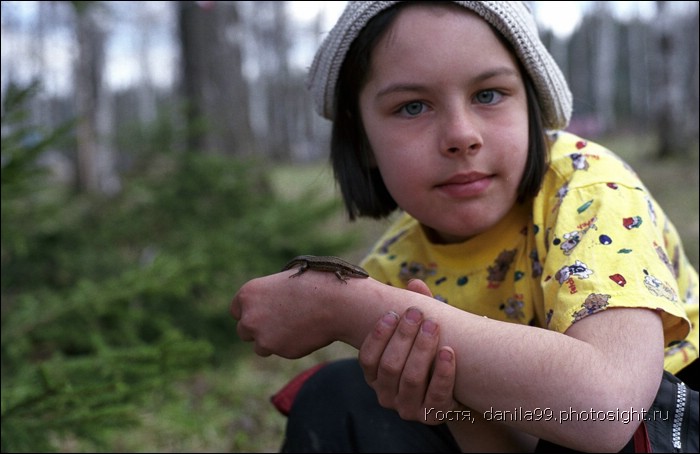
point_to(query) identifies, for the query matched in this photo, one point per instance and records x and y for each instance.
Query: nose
(460, 133)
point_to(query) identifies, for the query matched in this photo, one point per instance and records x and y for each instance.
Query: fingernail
(445, 355)
(390, 318)
(429, 327)
(414, 315)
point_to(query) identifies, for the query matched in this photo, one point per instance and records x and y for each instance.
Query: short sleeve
(605, 244)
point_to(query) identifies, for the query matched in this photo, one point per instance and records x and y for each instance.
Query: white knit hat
(512, 19)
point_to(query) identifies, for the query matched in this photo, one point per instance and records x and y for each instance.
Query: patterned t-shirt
(592, 239)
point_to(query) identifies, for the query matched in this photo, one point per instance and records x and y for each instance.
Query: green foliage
(107, 302)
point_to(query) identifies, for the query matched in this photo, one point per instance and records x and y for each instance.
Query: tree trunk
(605, 68)
(87, 86)
(212, 80)
(668, 87)
(638, 68)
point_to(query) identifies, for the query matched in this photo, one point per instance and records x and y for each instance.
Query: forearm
(607, 361)
(532, 376)
(544, 383)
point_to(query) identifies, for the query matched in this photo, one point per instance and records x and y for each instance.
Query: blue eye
(487, 96)
(413, 108)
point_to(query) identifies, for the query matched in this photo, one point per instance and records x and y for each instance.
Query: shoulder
(585, 172)
(581, 162)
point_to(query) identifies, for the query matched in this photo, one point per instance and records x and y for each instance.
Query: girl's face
(445, 112)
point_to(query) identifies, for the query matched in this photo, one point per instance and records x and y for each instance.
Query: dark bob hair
(361, 184)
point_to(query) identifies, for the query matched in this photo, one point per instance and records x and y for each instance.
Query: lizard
(339, 267)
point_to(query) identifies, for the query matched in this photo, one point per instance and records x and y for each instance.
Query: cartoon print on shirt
(513, 308)
(384, 248)
(567, 273)
(579, 162)
(652, 212)
(548, 317)
(561, 193)
(632, 222)
(497, 271)
(664, 258)
(659, 288)
(595, 302)
(584, 207)
(578, 269)
(619, 279)
(536, 265)
(572, 239)
(689, 298)
(676, 260)
(415, 270)
(682, 347)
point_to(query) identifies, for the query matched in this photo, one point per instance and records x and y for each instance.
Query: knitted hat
(512, 19)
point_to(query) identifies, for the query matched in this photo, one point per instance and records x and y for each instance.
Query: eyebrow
(408, 87)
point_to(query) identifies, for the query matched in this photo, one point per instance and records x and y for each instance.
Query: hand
(402, 363)
(283, 316)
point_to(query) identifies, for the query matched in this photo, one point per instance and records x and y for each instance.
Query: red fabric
(284, 398)
(641, 439)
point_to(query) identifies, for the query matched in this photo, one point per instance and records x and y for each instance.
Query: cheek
(389, 153)
(516, 168)
(516, 138)
(398, 171)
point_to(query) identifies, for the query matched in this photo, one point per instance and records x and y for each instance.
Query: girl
(539, 285)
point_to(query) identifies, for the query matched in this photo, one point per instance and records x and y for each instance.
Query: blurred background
(156, 155)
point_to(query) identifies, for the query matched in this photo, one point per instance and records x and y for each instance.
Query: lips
(465, 185)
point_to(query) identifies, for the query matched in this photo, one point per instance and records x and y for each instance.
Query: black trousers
(337, 411)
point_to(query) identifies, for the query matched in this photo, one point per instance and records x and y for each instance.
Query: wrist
(332, 304)
(358, 307)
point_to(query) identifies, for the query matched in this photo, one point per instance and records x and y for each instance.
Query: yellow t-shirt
(593, 238)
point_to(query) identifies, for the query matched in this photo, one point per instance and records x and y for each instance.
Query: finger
(395, 354)
(418, 286)
(440, 392)
(374, 344)
(416, 373)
